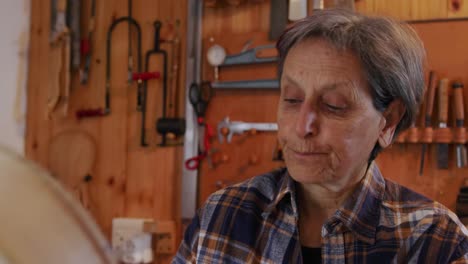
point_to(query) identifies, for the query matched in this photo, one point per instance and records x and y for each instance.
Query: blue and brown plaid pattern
(381, 222)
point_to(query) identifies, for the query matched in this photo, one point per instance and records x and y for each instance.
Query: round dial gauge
(216, 55)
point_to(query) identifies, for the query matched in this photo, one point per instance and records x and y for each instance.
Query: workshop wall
(249, 154)
(100, 158)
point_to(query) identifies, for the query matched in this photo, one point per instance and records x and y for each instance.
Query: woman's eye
(292, 100)
(334, 108)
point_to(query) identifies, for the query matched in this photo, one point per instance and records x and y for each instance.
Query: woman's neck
(317, 199)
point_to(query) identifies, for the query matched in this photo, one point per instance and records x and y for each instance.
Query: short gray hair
(390, 52)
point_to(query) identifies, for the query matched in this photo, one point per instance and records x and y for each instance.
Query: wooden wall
(130, 181)
(126, 180)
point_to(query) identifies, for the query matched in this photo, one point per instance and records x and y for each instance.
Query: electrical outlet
(130, 241)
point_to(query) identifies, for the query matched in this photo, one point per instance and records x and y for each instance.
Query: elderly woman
(349, 85)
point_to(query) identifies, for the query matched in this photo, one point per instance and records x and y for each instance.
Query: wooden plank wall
(249, 155)
(129, 181)
(126, 179)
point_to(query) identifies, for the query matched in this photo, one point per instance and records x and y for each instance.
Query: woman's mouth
(308, 154)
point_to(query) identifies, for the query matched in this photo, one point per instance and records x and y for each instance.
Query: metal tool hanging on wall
(228, 128)
(74, 19)
(132, 23)
(247, 84)
(178, 123)
(174, 73)
(59, 58)
(217, 58)
(165, 125)
(443, 132)
(431, 88)
(250, 57)
(200, 96)
(460, 137)
(87, 45)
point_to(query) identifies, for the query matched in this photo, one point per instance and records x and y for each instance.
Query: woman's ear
(392, 116)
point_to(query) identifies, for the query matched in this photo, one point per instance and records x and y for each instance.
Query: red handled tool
(132, 22)
(200, 96)
(86, 46)
(194, 162)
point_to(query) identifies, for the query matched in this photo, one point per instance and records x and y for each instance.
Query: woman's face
(327, 123)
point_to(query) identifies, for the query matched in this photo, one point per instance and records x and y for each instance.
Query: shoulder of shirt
(414, 207)
(265, 185)
(252, 196)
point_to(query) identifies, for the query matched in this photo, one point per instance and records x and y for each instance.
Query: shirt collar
(286, 192)
(360, 213)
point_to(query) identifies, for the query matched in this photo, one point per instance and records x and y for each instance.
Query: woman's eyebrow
(291, 80)
(348, 87)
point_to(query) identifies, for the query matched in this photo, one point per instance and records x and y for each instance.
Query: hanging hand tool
(164, 125)
(460, 122)
(131, 22)
(156, 51)
(278, 18)
(99, 111)
(86, 45)
(247, 84)
(249, 57)
(205, 150)
(215, 56)
(174, 73)
(427, 135)
(200, 96)
(59, 58)
(74, 16)
(443, 138)
(130, 49)
(144, 77)
(67, 82)
(227, 128)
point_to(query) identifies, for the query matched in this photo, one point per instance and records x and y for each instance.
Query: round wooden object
(71, 157)
(41, 223)
(224, 131)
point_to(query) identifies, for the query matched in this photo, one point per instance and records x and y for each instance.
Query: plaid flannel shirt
(381, 222)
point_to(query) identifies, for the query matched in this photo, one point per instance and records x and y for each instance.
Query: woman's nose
(307, 124)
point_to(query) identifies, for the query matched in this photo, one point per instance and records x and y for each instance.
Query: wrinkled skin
(328, 125)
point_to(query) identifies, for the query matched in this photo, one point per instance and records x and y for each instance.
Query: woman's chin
(310, 175)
